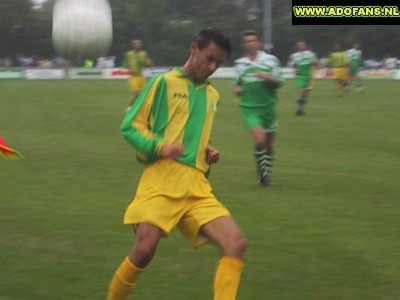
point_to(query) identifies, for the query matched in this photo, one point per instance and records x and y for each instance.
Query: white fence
(122, 73)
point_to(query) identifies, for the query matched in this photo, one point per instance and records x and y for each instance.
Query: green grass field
(327, 229)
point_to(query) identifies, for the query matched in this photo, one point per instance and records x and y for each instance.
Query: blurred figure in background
(339, 63)
(258, 76)
(135, 60)
(354, 57)
(303, 61)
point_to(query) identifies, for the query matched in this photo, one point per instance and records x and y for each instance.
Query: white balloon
(82, 28)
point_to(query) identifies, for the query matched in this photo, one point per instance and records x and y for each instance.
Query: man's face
(251, 43)
(301, 46)
(207, 60)
(136, 44)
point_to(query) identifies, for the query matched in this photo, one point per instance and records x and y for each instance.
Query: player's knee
(238, 246)
(261, 142)
(142, 254)
(241, 245)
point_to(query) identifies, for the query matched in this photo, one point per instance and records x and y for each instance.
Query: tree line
(168, 26)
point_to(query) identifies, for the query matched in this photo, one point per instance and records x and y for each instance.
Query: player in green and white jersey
(258, 76)
(354, 57)
(303, 61)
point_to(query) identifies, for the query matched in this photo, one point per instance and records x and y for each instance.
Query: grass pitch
(328, 228)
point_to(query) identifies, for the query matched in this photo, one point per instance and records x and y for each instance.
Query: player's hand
(212, 155)
(263, 76)
(171, 151)
(270, 80)
(237, 90)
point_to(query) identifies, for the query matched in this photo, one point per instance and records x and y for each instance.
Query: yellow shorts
(137, 83)
(340, 73)
(172, 194)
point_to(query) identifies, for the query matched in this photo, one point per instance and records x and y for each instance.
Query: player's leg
(351, 76)
(260, 153)
(345, 82)
(358, 83)
(253, 119)
(301, 102)
(226, 235)
(127, 274)
(270, 153)
(264, 139)
(271, 127)
(303, 82)
(347, 79)
(134, 95)
(157, 207)
(338, 81)
(136, 85)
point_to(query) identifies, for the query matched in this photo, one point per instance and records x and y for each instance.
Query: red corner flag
(7, 152)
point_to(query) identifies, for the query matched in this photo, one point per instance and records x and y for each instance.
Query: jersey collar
(182, 74)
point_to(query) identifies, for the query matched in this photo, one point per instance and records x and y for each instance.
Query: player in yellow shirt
(339, 63)
(136, 60)
(170, 126)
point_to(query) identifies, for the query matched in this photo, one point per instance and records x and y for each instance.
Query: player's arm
(135, 126)
(290, 63)
(269, 79)
(237, 89)
(275, 80)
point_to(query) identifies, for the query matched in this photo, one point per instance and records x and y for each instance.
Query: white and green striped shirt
(257, 92)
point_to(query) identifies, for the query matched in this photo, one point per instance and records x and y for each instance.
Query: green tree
(168, 26)
(15, 27)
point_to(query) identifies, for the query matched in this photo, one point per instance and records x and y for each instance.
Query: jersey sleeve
(136, 126)
(290, 63)
(237, 72)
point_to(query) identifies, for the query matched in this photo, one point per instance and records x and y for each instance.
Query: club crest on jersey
(213, 105)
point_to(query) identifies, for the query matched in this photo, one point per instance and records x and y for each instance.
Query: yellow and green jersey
(338, 59)
(172, 109)
(136, 61)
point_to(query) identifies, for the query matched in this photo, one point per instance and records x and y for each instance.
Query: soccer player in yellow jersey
(135, 60)
(339, 63)
(169, 125)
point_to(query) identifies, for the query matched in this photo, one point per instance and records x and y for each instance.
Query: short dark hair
(206, 36)
(251, 33)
